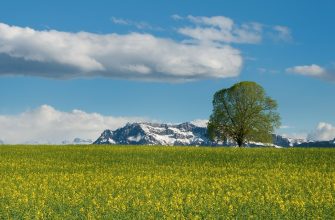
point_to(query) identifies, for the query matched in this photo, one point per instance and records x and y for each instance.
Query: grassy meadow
(128, 182)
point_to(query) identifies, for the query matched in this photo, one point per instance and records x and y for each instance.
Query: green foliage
(125, 182)
(243, 113)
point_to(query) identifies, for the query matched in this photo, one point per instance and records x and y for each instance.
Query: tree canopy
(243, 113)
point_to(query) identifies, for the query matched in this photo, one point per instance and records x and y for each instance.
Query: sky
(74, 68)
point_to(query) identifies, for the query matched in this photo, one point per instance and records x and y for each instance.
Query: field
(122, 182)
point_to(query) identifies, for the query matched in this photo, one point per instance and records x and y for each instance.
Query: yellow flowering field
(128, 182)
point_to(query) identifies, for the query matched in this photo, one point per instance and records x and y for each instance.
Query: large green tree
(243, 113)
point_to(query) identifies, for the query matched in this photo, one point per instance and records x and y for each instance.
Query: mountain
(286, 142)
(1, 142)
(330, 143)
(185, 134)
(156, 134)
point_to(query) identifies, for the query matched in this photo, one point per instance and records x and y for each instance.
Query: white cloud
(222, 29)
(56, 54)
(323, 132)
(314, 71)
(308, 70)
(48, 125)
(224, 23)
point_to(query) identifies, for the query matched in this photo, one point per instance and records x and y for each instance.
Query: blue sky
(286, 46)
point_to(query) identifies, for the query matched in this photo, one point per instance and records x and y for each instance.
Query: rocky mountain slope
(156, 134)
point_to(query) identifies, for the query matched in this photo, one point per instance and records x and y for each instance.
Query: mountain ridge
(155, 134)
(184, 134)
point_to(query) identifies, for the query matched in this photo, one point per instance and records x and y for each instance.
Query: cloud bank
(313, 70)
(138, 56)
(323, 132)
(48, 125)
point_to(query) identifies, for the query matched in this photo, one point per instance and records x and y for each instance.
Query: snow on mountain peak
(156, 134)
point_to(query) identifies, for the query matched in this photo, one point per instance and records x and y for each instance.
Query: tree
(243, 113)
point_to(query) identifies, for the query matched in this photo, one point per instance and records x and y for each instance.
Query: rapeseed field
(128, 182)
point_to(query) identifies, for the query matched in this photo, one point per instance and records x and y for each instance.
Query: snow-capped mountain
(164, 134)
(156, 134)
(286, 141)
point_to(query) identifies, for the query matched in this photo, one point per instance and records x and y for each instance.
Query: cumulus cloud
(308, 70)
(56, 54)
(49, 125)
(323, 132)
(313, 71)
(221, 29)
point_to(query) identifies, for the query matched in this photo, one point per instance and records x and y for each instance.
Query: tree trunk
(240, 142)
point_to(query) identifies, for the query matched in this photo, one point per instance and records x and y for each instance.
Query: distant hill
(330, 143)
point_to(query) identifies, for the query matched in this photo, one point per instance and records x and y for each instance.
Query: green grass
(122, 182)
